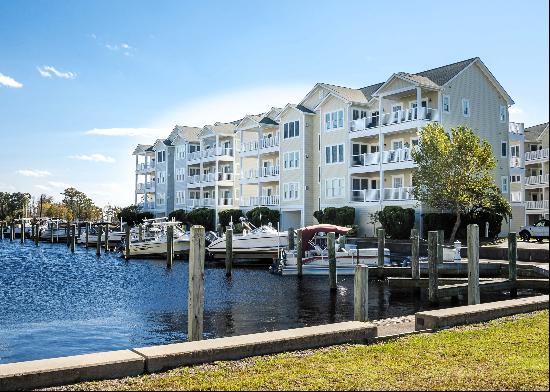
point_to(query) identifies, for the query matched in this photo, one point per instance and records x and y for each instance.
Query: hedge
(267, 214)
(343, 216)
(397, 221)
(226, 215)
(446, 221)
(203, 217)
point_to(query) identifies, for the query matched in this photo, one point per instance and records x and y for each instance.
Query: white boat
(154, 239)
(262, 241)
(115, 237)
(315, 259)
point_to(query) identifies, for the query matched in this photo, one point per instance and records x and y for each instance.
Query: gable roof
(141, 148)
(534, 132)
(443, 74)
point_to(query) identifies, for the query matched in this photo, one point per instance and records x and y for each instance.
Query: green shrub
(226, 215)
(133, 215)
(203, 217)
(178, 215)
(343, 216)
(446, 221)
(267, 214)
(397, 221)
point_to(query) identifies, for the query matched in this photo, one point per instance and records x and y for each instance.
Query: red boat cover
(309, 232)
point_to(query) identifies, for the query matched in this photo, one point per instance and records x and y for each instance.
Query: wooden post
(361, 293)
(127, 242)
(331, 261)
(36, 233)
(219, 230)
(22, 231)
(140, 233)
(106, 237)
(432, 266)
(415, 263)
(195, 307)
(299, 251)
(51, 231)
(98, 242)
(87, 234)
(68, 234)
(12, 231)
(228, 250)
(440, 241)
(381, 246)
(512, 257)
(291, 238)
(473, 264)
(169, 246)
(73, 237)
(2, 230)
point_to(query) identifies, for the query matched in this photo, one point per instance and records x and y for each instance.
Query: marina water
(55, 303)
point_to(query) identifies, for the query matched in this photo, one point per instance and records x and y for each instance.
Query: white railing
(399, 155)
(366, 159)
(537, 155)
(404, 193)
(516, 197)
(140, 186)
(270, 171)
(537, 205)
(250, 174)
(208, 202)
(365, 195)
(194, 156)
(268, 142)
(516, 128)
(208, 177)
(249, 146)
(224, 201)
(397, 117)
(273, 200)
(537, 180)
(194, 203)
(145, 166)
(147, 205)
(225, 176)
(150, 185)
(195, 179)
(515, 162)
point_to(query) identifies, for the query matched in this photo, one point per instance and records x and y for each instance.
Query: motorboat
(115, 237)
(263, 241)
(154, 237)
(315, 254)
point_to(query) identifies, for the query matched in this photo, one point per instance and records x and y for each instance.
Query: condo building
(338, 146)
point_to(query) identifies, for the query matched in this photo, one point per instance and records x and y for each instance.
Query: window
(291, 129)
(194, 194)
(161, 177)
(161, 156)
(334, 187)
(334, 120)
(290, 191)
(357, 114)
(514, 151)
(446, 104)
(180, 197)
(180, 174)
(194, 147)
(504, 184)
(503, 149)
(194, 171)
(374, 148)
(515, 179)
(180, 152)
(161, 197)
(396, 108)
(397, 144)
(465, 107)
(291, 160)
(359, 184)
(397, 181)
(334, 153)
(414, 142)
(373, 184)
(502, 113)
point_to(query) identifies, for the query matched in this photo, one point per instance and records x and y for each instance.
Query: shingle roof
(350, 94)
(268, 121)
(304, 109)
(224, 128)
(150, 149)
(368, 90)
(442, 75)
(533, 132)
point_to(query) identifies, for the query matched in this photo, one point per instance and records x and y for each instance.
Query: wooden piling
(432, 266)
(169, 246)
(473, 264)
(36, 233)
(106, 237)
(219, 230)
(512, 256)
(12, 231)
(140, 233)
(127, 242)
(299, 251)
(381, 246)
(228, 251)
(291, 238)
(22, 231)
(87, 233)
(331, 261)
(195, 307)
(361, 293)
(68, 234)
(98, 242)
(415, 260)
(440, 242)
(73, 237)
(2, 230)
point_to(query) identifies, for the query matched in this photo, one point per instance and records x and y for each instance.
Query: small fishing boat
(315, 256)
(264, 241)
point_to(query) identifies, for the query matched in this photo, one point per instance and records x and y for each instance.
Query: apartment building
(342, 146)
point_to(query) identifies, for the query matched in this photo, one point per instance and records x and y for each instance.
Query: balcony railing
(147, 205)
(249, 146)
(253, 201)
(537, 155)
(516, 197)
(250, 174)
(225, 201)
(516, 128)
(515, 162)
(541, 179)
(225, 176)
(397, 117)
(269, 142)
(195, 179)
(194, 156)
(537, 205)
(370, 195)
(365, 195)
(390, 156)
(145, 166)
(270, 171)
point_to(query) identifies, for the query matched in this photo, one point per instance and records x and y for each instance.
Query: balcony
(392, 159)
(390, 194)
(194, 156)
(249, 176)
(404, 193)
(213, 153)
(225, 202)
(537, 205)
(270, 173)
(536, 181)
(365, 195)
(249, 148)
(146, 206)
(269, 144)
(393, 122)
(536, 156)
(256, 201)
(515, 162)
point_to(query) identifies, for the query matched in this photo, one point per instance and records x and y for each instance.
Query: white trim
(338, 162)
(504, 143)
(500, 117)
(338, 127)
(504, 184)
(466, 100)
(395, 176)
(287, 154)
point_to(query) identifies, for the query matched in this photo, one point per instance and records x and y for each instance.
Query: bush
(343, 216)
(446, 221)
(133, 215)
(397, 221)
(268, 215)
(203, 217)
(226, 215)
(178, 215)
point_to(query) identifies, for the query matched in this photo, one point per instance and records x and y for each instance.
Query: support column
(418, 102)
(381, 151)
(299, 251)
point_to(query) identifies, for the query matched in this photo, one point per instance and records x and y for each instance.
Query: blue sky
(136, 68)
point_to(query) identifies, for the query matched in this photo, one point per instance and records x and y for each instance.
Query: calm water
(54, 303)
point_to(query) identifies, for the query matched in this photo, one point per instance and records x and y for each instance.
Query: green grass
(505, 354)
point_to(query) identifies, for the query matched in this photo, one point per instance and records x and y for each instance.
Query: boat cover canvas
(309, 232)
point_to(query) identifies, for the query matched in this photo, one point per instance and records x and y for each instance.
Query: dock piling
(512, 256)
(22, 231)
(127, 242)
(440, 242)
(332, 261)
(299, 252)
(98, 241)
(228, 251)
(415, 263)
(68, 234)
(291, 238)
(2, 230)
(51, 232)
(361, 293)
(106, 237)
(381, 246)
(140, 233)
(12, 231)
(432, 266)
(473, 264)
(73, 237)
(87, 232)
(195, 307)
(36, 233)
(169, 246)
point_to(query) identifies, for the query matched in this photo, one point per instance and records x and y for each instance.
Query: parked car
(538, 231)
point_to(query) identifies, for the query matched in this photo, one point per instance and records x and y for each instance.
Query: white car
(538, 231)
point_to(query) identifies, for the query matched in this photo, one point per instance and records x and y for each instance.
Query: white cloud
(94, 158)
(112, 47)
(125, 46)
(9, 82)
(44, 187)
(48, 71)
(57, 184)
(34, 173)
(149, 132)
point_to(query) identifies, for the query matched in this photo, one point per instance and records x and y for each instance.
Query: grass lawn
(509, 353)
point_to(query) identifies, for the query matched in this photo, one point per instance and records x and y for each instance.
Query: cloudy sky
(82, 82)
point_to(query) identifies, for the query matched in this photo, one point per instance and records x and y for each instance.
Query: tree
(454, 172)
(133, 215)
(80, 205)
